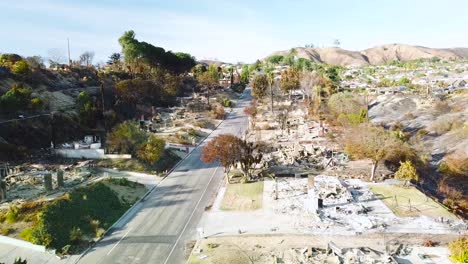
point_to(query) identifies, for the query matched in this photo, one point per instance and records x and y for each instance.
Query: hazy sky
(240, 30)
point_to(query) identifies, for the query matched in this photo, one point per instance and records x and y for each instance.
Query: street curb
(146, 194)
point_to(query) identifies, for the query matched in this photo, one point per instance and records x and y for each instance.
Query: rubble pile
(306, 156)
(342, 206)
(333, 254)
(34, 180)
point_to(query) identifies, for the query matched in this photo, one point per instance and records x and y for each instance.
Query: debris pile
(29, 182)
(304, 156)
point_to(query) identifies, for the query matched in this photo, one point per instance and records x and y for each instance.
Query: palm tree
(271, 78)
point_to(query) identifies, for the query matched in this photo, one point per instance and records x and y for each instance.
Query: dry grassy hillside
(401, 52)
(376, 55)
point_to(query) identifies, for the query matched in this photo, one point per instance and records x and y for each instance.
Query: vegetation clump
(67, 220)
(459, 250)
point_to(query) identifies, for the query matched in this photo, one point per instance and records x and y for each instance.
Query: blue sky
(240, 30)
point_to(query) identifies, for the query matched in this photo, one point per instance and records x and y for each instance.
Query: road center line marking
(191, 215)
(119, 241)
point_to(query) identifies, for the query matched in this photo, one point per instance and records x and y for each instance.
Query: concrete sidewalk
(9, 253)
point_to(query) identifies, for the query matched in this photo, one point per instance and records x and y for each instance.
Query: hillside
(375, 56)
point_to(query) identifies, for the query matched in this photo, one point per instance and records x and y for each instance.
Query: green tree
(245, 74)
(140, 56)
(407, 172)
(259, 86)
(209, 80)
(303, 64)
(334, 74)
(152, 150)
(126, 138)
(255, 67)
(114, 59)
(275, 59)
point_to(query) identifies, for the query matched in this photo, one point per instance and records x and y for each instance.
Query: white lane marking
(119, 241)
(190, 218)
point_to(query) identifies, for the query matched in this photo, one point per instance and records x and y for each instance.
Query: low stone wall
(89, 154)
(186, 148)
(22, 244)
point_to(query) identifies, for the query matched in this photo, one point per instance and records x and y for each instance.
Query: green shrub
(407, 172)
(126, 138)
(204, 124)
(26, 234)
(21, 67)
(226, 102)
(446, 124)
(152, 150)
(422, 132)
(192, 132)
(36, 103)
(459, 250)
(238, 87)
(6, 231)
(121, 182)
(20, 261)
(76, 235)
(9, 60)
(16, 98)
(100, 232)
(60, 220)
(352, 119)
(12, 214)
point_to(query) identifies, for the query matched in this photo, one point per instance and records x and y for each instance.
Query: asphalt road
(168, 218)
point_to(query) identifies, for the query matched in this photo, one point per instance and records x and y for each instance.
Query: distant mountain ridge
(376, 55)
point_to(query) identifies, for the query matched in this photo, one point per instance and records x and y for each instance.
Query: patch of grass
(124, 164)
(128, 192)
(6, 231)
(122, 182)
(224, 253)
(204, 124)
(446, 124)
(409, 201)
(243, 197)
(12, 214)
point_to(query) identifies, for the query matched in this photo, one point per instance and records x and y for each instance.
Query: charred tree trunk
(374, 168)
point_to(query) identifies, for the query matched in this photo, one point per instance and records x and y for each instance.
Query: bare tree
(309, 82)
(374, 143)
(87, 58)
(337, 43)
(56, 56)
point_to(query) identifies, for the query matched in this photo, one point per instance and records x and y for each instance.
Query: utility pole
(103, 107)
(271, 95)
(69, 58)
